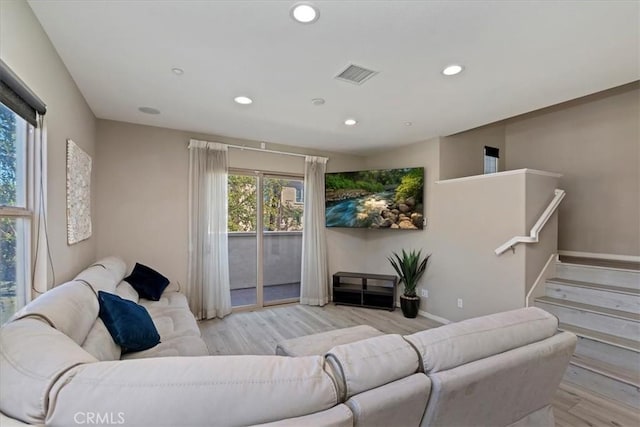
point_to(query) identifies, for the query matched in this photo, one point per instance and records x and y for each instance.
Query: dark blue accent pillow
(128, 323)
(149, 283)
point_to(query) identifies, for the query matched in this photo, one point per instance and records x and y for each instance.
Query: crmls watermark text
(99, 418)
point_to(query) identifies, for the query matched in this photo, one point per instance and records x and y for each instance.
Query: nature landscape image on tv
(386, 198)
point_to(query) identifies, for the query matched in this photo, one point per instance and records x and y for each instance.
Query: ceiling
(519, 56)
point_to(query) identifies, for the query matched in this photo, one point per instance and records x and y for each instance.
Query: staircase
(599, 301)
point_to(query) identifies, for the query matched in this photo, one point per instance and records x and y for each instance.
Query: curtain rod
(265, 150)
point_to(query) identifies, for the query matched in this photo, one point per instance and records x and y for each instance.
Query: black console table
(365, 290)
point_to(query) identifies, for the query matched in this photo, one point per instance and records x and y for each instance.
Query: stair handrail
(537, 227)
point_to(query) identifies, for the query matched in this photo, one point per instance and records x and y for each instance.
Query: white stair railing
(535, 230)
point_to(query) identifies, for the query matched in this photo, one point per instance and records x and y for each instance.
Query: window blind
(491, 151)
(17, 96)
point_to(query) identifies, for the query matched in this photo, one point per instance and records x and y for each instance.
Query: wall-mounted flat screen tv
(385, 198)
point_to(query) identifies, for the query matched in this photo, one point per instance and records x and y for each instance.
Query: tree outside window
(8, 224)
(281, 209)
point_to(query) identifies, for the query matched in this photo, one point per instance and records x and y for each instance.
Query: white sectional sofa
(60, 367)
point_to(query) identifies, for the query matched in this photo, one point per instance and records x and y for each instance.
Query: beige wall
(540, 191)
(472, 217)
(142, 189)
(142, 184)
(377, 245)
(463, 154)
(27, 50)
(595, 144)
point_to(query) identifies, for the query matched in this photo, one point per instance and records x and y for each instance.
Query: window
(491, 156)
(22, 192)
(15, 216)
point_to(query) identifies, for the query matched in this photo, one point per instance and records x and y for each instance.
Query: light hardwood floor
(257, 332)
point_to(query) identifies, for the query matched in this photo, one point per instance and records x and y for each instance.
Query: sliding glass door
(282, 238)
(265, 238)
(242, 224)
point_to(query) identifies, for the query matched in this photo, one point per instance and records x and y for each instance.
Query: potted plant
(410, 267)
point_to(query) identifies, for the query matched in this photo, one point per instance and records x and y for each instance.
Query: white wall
(25, 47)
(142, 184)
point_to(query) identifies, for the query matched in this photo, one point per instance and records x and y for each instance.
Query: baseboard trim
(433, 317)
(611, 257)
(429, 315)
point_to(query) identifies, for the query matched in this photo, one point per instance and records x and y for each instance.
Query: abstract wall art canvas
(78, 194)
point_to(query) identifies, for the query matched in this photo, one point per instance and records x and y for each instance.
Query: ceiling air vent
(355, 74)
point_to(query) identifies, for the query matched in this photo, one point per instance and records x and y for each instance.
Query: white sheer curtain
(314, 283)
(208, 275)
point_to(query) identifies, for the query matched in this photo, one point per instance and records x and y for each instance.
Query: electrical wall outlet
(459, 302)
(424, 293)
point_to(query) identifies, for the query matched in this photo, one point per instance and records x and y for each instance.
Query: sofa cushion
(173, 287)
(399, 403)
(172, 316)
(317, 344)
(128, 323)
(100, 344)
(167, 300)
(195, 391)
(173, 347)
(71, 308)
(458, 343)
(33, 356)
(370, 363)
(103, 275)
(6, 421)
(125, 290)
(149, 283)
(338, 416)
(174, 322)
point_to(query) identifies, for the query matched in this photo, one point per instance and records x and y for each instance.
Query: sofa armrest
(463, 342)
(501, 389)
(194, 391)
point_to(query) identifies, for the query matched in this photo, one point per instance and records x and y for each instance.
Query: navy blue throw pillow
(149, 283)
(128, 323)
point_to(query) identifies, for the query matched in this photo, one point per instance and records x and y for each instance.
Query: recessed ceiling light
(408, 123)
(149, 110)
(317, 101)
(177, 71)
(452, 70)
(244, 100)
(351, 122)
(305, 13)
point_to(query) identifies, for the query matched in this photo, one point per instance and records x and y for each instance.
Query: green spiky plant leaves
(410, 267)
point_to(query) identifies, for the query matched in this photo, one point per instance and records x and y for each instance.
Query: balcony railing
(281, 265)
